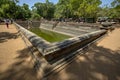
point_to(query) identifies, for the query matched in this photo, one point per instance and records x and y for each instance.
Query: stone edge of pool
(51, 51)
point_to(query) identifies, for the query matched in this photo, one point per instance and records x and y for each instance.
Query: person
(55, 24)
(7, 23)
(29, 24)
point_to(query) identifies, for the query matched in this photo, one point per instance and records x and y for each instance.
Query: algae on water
(49, 35)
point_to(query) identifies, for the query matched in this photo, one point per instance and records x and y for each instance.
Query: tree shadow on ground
(98, 63)
(25, 53)
(4, 36)
(19, 72)
(21, 69)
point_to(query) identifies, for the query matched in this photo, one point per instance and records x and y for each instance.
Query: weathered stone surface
(106, 24)
(36, 23)
(54, 50)
(36, 41)
(23, 23)
(72, 44)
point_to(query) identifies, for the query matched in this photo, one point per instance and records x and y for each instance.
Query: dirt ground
(14, 56)
(100, 62)
(112, 41)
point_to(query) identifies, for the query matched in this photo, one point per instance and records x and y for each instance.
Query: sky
(31, 2)
(106, 2)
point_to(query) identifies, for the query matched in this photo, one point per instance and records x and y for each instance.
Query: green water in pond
(49, 35)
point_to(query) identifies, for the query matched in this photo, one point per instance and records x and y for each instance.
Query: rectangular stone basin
(60, 44)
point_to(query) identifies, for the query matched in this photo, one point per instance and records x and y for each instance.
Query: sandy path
(14, 58)
(112, 41)
(9, 46)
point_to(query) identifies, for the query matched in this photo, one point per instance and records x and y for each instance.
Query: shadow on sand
(4, 36)
(21, 69)
(97, 64)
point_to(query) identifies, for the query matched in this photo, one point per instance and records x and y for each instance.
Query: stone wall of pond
(71, 45)
(51, 51)
(68, 24)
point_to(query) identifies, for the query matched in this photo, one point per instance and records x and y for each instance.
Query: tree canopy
(46, 10)
(8, 8)
(63, 9)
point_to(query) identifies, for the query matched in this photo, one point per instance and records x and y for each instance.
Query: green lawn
(49, 35)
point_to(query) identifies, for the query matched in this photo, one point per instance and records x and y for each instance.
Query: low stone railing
(72, 44)
(36, 41)
(53, 50)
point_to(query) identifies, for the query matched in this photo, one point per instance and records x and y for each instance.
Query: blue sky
(106, 2)
(31, 2)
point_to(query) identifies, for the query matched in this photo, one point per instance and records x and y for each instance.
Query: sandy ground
(112, 41)
(14, 56)
(100, 62)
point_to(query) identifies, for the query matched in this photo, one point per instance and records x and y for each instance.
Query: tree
(8, 8)
(116, 3)
(35, 16)
(63, 9)
(85, 8)
(116, 8)
(23, 12)
(77, 8)
(45, 10)
(110, 12)
(26, 11)
(104, 12)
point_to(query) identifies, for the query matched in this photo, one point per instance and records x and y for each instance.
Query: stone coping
(53, 50)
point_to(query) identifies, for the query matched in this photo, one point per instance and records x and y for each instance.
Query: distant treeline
(64, 9)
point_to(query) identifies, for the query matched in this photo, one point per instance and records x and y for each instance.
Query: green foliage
(35, 16)
(63, 9)
(116, 8)
(78, 8)
(110, 12)
(116, 3)
(46, 10)
(10, 9)
(7, 8)
(26, 11)
(104, 12)
(23, 12)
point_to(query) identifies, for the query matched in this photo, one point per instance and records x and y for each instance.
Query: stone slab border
(51, 51)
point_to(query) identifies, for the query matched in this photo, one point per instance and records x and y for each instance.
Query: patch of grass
(49, 35)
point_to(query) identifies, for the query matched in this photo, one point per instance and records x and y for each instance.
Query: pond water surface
(49, 36)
